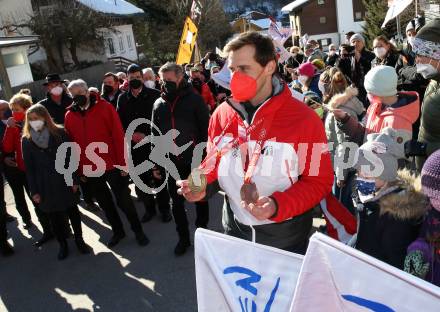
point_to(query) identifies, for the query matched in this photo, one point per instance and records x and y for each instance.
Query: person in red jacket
(14, 164)
(266, 150)
(202, 88)
(94, 125)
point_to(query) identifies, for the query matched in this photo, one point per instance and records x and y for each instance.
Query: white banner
(395, 8)
(335, 277)
(236, 275)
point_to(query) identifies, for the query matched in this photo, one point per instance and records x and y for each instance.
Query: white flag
(236, 275)
(335, 277)
(223, 77)
(279, 33)
(282, 53)
(395, 8)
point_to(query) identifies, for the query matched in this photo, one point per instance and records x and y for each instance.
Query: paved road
(128, 278)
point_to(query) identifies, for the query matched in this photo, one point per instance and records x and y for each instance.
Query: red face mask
(243, 87)
(18, 116)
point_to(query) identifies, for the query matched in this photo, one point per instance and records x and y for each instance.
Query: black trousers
(178, 205)
(3, 230)
(163, 198)
(60, 223)
(119, 187)
(86, 192)
(18, 183)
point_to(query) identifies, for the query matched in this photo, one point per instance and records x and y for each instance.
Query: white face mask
(410, 40)
(56, 91)
(37, 125)
(426, 70)
(303, 79)
(150, 84)
(380, 52)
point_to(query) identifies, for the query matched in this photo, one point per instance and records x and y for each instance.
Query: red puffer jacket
(12, 144)
(99, 123)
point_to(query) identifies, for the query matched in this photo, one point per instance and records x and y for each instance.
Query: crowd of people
(384, 102)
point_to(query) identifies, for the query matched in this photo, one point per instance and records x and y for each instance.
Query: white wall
(333, 36)
(127, 48)
(19, 74)
(345, 18)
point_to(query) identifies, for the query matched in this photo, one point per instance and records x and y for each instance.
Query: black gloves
(415, 148)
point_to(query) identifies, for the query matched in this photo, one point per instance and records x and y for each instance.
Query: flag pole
(417, 8)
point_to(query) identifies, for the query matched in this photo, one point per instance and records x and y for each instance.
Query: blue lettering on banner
(247, 284)
(372, 305)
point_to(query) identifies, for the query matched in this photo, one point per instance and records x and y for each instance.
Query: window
(129, 42)
(321, 2)
(121, 44)
(324, 43)
(358, 16)
(111, 46)
(323, 20)
(13, 59)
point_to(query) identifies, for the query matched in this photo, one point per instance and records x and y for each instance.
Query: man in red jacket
(94, 125)
(202, 88)
(266, 150)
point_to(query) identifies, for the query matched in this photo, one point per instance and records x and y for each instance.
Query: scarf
(41, 138)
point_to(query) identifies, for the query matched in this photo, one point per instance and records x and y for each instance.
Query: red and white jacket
(294, 167)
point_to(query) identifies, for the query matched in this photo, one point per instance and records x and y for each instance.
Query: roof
(263, 23)
(113, 7)
(6, 42)
(254, 15)
(293, 5)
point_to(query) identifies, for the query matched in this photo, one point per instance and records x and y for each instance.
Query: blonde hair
(41, 111)
(21, 100)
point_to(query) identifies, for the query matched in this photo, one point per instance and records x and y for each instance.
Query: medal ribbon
(250, 166)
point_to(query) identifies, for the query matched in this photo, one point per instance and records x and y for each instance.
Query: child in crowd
(390, 203)
(342, 97)
(423, 259)
(388, 108)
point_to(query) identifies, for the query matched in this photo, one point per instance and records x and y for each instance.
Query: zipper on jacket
(173, 124)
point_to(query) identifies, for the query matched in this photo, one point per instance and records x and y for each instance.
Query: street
(127, 278)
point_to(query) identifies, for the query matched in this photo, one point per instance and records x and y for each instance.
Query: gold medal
(249, 193)
(197, 181)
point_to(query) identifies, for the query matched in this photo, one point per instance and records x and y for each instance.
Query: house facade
(119, 41)
(326, 21)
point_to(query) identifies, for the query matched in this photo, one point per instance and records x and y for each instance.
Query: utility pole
(4, 80)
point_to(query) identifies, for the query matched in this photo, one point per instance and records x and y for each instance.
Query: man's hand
(83, 179)
(340, 183)
(75, 188)
(137, 137)
(415, 148)
(263, 209)
(36, 198)
(156, 174)
(124, 173)
(10, 161)
(185, 191)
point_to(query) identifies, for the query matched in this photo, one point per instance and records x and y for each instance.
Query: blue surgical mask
(366, 187)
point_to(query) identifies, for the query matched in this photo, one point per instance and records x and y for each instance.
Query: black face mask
(80, 100)
(169, 88)
(108, 89)
(135, 83)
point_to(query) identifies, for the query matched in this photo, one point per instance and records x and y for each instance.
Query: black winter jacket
(43, 178)
(188, 114)
(57, 111)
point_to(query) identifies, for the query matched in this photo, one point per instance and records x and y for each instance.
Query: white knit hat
(381, 81)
